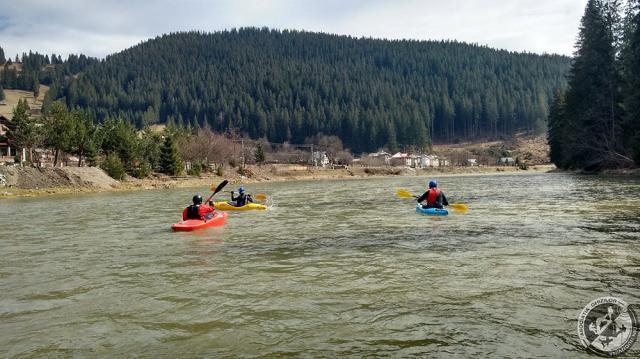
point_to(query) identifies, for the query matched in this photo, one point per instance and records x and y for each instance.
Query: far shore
(88, 183)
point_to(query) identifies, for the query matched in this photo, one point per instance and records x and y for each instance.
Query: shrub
(196, 169)
(142, 171)
(219, 171)
(113, 166)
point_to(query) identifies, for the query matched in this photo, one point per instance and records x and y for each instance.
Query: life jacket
(193, 212)
(432, 196)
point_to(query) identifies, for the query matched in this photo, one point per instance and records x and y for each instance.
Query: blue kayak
(431, 211)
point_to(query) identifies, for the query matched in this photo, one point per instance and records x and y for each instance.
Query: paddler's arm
(203, 210)
(184, 214)
(444, 199)
(423, 197)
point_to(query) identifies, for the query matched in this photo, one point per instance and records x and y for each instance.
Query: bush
(196, 169)
(142, 171)
(113, 166)
(241, 171)
(219, 171)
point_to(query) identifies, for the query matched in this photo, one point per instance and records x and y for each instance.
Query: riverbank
(31, 181)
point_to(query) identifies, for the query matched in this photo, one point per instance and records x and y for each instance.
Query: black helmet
(197, 199)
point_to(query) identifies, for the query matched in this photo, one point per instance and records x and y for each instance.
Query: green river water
(333, 269)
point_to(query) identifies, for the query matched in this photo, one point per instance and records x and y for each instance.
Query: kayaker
(198, 210)
(242, 198)
(434, 197)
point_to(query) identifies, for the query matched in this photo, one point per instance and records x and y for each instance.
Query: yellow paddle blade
(260, 197)
(459, 207)
(403, 193)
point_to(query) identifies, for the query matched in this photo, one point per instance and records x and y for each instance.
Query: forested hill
(290, 85)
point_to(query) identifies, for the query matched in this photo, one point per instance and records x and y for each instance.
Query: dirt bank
(31, 181)
(37, 178)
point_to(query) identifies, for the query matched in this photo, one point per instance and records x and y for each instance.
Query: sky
(101, 27)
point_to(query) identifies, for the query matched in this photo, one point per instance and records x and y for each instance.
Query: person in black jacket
(434, 197)
(242, 198)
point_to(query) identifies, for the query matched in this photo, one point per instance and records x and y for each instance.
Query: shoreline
(264, 174)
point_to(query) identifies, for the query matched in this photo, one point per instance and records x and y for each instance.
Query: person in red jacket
(435, 198)
(198, 210)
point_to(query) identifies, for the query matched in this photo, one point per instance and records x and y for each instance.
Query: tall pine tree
(630, 126)
(22, 131)
(557, 133)
(592, 110)
(170, 161)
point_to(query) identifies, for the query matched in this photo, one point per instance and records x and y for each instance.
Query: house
(507, 161)
(383, 156)
(400, 159)
(425, 161)
(320, 159)
(472, 162)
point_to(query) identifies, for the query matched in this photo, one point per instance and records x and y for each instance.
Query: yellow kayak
(225, 206)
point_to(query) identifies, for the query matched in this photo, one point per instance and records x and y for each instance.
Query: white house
(320, 159)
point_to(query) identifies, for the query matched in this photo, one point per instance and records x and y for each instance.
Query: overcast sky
(101, 27)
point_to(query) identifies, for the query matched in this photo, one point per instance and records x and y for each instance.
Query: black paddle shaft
(218, 189)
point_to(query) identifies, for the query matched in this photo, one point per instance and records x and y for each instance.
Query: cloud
(99, 28)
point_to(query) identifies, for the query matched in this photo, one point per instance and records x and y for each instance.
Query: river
(332, 269)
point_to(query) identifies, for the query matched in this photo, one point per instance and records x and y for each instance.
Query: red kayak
(219, 219)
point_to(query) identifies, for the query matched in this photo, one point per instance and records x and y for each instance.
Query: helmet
(433, 184)
(197, 199)
(241, 190)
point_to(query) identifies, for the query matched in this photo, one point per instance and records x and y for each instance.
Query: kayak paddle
(260, 197)
(457, 207)
(403, 193)
(216, 189)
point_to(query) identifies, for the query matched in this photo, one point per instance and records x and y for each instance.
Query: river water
(333, 269)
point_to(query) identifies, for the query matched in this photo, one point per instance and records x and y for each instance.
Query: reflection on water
(334, 268)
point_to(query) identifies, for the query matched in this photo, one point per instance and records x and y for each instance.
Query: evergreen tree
(35, 87)
(170, 161)
(2, 95)
(82, 137)
(557, 133)
(2, 58)
(59, 130)
(22, 131)
(629, 131)
(591, 109)
(259, 154)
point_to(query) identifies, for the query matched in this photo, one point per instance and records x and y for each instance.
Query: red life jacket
(432, 196)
